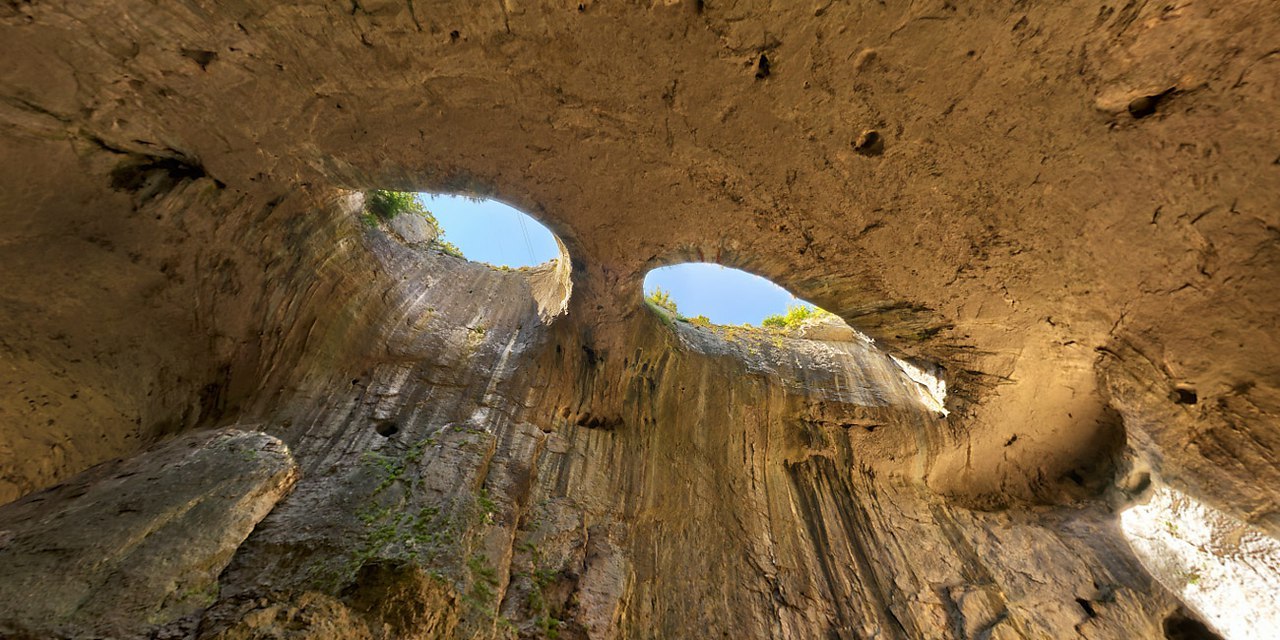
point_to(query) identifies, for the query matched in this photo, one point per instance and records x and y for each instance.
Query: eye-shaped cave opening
(730, 304)
(705, 293)
(483, 231)
(492, 232)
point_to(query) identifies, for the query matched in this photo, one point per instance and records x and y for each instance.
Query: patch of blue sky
(493, 232)
(722, 294)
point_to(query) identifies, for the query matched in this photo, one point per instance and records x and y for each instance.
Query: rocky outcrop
(491, 474)
(413, 230)
(133, 545)
(1068, 209)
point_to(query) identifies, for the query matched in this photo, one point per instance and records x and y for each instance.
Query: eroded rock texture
(1070, 207)
(130, 544)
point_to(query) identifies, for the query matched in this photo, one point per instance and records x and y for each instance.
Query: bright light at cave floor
(1224, 569)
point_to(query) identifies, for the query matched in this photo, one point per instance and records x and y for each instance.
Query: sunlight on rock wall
(933, 387)
(1226, 570)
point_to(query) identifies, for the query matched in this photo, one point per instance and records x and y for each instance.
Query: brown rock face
(1069, 208)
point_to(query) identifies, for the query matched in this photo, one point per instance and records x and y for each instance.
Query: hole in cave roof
(723, 295)
(705, 294)
(477, 230)
(492, 232)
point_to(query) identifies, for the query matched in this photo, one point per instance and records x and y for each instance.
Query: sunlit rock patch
(933, 386)
(1226, 570)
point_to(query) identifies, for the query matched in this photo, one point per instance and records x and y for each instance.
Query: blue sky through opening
(490, 231)
(724, 295)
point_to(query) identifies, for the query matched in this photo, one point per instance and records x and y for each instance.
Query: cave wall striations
(290, 423)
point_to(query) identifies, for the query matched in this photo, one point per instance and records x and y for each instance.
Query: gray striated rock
(132, 545)
(720, 482)
(413, 230)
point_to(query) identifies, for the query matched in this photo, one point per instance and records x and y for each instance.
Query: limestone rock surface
(132, 545)
(413, 229)
(1067, 209)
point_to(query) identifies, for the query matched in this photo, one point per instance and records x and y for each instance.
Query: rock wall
(132, 544)
(1069, 208)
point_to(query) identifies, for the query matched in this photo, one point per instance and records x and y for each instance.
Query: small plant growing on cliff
(661, 299)
(483, 581)
(384, 205)
(448, 247)
(795, 316)
(486, 505)
(389, 204)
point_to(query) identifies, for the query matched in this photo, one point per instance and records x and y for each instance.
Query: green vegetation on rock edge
(384, 205)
